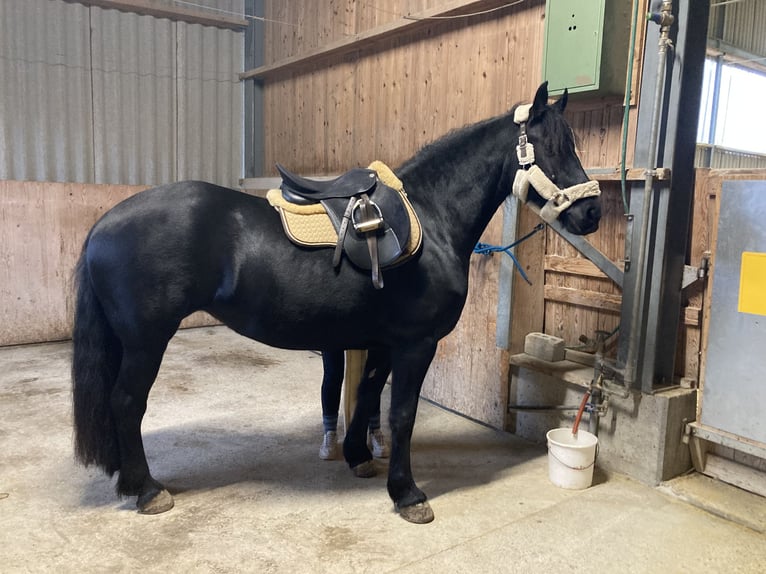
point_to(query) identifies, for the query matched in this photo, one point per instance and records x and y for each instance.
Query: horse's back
(165, 252)
(181, 204)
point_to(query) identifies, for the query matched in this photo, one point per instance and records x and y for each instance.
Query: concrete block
(545, 347)
(641, 435)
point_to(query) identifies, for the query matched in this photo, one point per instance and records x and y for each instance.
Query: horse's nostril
(594, 212)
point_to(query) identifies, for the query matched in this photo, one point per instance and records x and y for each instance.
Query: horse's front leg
(376, 371)
(409, 369)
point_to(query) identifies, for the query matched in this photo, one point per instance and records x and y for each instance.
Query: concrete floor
(233, 429)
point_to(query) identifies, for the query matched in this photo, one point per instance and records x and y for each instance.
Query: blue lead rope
(488, 249)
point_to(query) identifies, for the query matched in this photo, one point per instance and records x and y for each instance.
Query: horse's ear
(541, 99)
(561, 103)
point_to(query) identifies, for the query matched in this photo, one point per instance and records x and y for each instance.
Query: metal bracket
(582, 245)
(629, 219)
(694, 274)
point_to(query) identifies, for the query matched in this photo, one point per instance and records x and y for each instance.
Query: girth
(372, 220)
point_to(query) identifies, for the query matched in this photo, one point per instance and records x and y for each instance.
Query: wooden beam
(692, 316)
(732, 472)
(365, 39)
(565, 370)
(631, 174)
(165, 9)
(604, 301)
(573, 266)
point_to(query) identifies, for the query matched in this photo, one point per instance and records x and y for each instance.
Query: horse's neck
(457, 189)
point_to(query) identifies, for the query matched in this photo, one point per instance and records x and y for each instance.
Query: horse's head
(550, 173)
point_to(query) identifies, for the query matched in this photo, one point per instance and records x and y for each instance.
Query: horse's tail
(95, 365)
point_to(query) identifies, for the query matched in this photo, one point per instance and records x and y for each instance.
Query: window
(731, 111)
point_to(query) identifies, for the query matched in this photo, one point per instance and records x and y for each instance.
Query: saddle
(363, 213)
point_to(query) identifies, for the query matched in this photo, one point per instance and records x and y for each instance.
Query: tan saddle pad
(310, 226)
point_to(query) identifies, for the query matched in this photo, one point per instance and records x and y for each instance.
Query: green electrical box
(586, 46)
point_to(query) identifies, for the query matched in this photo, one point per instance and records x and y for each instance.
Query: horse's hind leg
(376, 371)
(138, 371)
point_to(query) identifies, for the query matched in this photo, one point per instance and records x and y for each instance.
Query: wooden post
(355, 360)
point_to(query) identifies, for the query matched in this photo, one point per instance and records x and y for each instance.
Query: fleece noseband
(530, 174)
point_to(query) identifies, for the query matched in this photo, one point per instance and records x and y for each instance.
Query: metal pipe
(595, 399)
(598, 379)
(543, 407)
(665, 19)
(621, 391)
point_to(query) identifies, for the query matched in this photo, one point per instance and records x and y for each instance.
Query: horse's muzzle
(583, 216)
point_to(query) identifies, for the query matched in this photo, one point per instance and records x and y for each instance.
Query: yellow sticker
(752, 283)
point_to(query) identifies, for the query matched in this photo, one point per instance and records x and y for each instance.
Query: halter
(528, 173)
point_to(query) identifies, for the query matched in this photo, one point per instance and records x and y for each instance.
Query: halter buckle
(560, 199)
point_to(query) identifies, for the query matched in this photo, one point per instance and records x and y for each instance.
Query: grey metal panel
(210, 104)
(109, 97)
(507, 277)
(45, 119)
(254, 137)
(734, 393)
(133, 97)
(743, 25)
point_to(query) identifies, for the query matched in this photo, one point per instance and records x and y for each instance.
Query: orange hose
(580, 411)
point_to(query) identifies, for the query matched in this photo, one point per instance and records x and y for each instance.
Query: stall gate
(733, 401)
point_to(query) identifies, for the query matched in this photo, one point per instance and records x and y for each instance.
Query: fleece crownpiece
(557, 199)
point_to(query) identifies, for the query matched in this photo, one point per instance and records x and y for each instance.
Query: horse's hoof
(364, 470)
(159, 503)
(419, 513)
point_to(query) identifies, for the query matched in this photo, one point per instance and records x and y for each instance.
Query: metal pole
(665, 19)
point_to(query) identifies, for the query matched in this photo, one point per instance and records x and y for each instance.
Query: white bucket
(571, 458)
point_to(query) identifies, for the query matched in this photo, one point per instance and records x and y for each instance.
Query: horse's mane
(456, 140)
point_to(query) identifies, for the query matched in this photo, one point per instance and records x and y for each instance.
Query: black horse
(169, 251)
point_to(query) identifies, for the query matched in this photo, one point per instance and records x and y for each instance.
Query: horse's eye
(553, 177)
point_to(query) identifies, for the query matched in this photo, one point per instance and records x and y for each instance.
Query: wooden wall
(42, 229)
(386, 98)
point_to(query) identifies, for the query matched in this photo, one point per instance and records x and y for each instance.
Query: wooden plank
(469, 373)
(573, 265)
(42, 228)
(692, 316)
(690, 335)
(352, 378)
(698, 449)
(586, 298)
(367, 38)
(567, 371)
(160, 9)
(631, 174)
(739, 475)
(714, 187)
(528, 305)
(568, 321)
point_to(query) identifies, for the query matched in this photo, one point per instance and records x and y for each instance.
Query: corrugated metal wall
(100, 96)
(741, 24)
(724, 158)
